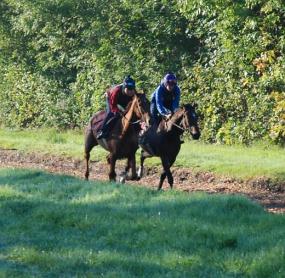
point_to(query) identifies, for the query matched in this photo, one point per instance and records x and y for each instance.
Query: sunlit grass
(48, 141)
(60, 226)
(236, 161)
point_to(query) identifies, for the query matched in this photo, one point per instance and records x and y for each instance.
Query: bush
(58, 58)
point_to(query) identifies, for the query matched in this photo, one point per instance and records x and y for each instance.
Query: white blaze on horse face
(193, 130)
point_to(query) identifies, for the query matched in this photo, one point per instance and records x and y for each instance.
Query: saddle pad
(97, 120)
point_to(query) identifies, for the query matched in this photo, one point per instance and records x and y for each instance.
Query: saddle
(97, 120)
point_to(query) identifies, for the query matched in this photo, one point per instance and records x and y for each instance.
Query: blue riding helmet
(169, 78)
(129, 83)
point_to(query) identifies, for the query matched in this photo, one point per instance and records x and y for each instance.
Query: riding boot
(104, 132)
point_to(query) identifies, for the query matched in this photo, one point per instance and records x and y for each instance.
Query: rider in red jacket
(118, 98)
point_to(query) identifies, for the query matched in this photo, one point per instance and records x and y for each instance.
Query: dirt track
(271, 196)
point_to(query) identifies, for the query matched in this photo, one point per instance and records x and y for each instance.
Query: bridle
(182, 125)
(128, 119)
(142, 117)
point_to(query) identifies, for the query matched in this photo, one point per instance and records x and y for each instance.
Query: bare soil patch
(269, 194)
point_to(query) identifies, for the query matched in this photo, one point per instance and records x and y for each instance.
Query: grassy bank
(59, 226)
(48, 141)
(236, 161)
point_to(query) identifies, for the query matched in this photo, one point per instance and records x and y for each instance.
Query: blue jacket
(159, 98)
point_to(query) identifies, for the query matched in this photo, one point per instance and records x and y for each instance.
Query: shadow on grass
(62, 225)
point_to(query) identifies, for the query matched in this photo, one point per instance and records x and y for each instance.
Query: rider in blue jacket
(165, 99)
(164, 102)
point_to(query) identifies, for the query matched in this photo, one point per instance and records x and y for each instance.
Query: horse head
(190, 121)
(185, 118)
(137, 111)
(142, 108)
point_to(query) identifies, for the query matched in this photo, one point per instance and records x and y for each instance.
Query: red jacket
(116, 96)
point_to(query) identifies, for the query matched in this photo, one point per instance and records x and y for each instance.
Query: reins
(178, 126)
(137, 121)
(128, 120)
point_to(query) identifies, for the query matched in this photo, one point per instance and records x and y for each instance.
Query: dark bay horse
(165, 142)
(122, 141)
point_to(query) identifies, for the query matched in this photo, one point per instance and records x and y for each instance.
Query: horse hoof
(140, 174)
(122, 179)
(132, 178)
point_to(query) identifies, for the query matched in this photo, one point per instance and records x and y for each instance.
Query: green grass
(47, 141)
(55, 226)
(236, 161)
(60, 226)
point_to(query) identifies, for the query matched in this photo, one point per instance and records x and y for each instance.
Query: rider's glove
(167, 117)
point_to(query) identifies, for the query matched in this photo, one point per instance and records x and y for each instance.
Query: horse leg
(170, 178)
(169, 174)
(166, 173)
(90, 142)
(132, 164)
(142, 159)
(128, 166)
(112, 162)
(123, 175)
(162, 178)
(108, 159)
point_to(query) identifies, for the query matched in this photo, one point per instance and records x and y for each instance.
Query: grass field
(60, 226)
(237, 161)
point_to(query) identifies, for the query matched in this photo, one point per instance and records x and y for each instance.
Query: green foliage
(241, 65)
(53, 225)
(277, 131)
(62, 55)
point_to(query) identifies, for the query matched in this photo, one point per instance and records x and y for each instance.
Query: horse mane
(177, 113)
(189, 106)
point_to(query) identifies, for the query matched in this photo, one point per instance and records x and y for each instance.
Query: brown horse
(165, 142)
(123, 138)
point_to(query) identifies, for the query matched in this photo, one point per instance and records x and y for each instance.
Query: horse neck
(126, 120)
(174, 122)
